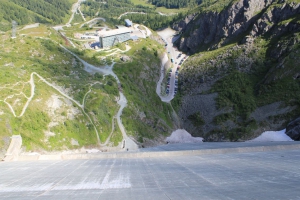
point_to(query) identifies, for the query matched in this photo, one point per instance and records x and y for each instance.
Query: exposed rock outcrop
(293, 129)
(244, 18)
(275, 15)
(181, 25)
(125, 58)
(265, 34)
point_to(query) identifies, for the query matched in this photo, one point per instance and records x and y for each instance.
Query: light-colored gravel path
(97, 18)
(131, 13)
(129, 144)
(74, 9)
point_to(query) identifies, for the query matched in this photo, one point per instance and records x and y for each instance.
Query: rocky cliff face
(213, 29)
(254, 39)
(276, 14)
(293, 129)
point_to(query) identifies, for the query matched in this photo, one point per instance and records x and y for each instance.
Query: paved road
(253, 175)
(168, 36)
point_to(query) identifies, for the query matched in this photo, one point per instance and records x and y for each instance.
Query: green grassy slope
(33, 11)
(52, 120)
(146, 117)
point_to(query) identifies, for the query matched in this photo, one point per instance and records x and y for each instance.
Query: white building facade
(113, 37)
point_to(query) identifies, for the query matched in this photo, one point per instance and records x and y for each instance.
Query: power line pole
(14, 29)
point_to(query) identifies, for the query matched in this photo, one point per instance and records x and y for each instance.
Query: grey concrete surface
(252, 175)
(174, 150)
(14, 148)
(219, 145)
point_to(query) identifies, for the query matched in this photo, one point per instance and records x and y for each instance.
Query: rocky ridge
(244, 18)
(252, 37)
(293, 129)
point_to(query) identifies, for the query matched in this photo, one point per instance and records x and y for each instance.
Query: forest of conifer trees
(32, 11)
(175, 3)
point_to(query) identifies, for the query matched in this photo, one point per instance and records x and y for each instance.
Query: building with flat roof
(128, 23)
(112, 37)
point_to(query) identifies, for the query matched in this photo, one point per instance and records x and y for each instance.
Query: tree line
(55, 10)
(32, 11)
(175, 3)
(114, 8)
(153, 21)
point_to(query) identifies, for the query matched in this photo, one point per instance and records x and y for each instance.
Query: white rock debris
(182, 136)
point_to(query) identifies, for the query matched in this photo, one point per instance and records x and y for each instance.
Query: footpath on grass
(128, 143)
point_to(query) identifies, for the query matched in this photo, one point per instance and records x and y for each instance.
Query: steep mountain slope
(248, 80)
(253, 18)
(40, 85)
(146, 117)
(48, 97)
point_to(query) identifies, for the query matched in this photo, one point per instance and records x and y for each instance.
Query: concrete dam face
(268, 170)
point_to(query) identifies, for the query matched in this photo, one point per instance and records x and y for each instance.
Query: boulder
(293, 129)
(125, 58)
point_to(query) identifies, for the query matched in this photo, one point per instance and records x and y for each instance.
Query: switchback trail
(32, 93)
(168, 35)
(129, 144)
